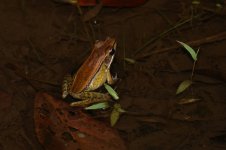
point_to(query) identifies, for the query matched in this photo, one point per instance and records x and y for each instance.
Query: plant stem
(194, 64)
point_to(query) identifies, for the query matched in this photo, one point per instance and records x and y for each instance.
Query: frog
(93, 73)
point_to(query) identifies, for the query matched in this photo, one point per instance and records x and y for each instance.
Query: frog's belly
(99, 79)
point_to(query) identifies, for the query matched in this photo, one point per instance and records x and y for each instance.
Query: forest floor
(41, 41)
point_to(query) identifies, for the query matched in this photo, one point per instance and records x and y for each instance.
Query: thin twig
(84, 24)
(177, 25)
(213, 38)
(29, 79)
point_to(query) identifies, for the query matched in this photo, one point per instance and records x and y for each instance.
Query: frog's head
(110, 51)
(106, 49)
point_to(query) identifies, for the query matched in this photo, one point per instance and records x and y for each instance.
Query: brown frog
(92, 74)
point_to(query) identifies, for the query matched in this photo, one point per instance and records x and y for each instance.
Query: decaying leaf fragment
(60, 127)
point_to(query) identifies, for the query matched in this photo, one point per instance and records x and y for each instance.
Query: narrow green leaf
(129, 60)
(190, 50)
(119, 108)
(114, 117)
(115, 114)
(111, 91)
(103, 105)
(183, 86)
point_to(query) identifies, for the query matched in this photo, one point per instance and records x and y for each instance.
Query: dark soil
(41, 41)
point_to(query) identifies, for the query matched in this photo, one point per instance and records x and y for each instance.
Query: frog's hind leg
(90, 98)
(66, 85)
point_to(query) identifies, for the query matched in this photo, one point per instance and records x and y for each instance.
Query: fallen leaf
(49, 127)
(61, 127)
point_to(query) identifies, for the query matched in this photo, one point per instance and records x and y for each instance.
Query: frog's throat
(99, 79)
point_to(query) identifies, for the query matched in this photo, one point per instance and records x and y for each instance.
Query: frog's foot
(111, 79)
(86, 102)
(65, 85)
(89, 98)
(115, 78)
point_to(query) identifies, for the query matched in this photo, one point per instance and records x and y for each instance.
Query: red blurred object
(113, 3)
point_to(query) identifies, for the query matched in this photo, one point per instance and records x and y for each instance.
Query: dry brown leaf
(59, 126)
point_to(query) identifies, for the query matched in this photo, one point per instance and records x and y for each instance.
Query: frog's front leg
(110, 79)
(89, 98)
(66, 85)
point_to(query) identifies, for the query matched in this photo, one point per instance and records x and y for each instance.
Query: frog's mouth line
(109, 61)
(111, 56)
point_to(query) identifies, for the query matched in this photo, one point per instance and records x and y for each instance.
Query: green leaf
(103, 105)
(129, 60)
(183, 86)
(114, 117)
(119, 108)
(190, 50)
(111, 91)
(115, 114)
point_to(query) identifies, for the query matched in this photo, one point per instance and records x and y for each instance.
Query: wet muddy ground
(41, 41)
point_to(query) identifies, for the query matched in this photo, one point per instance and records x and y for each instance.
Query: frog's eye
(112, 51)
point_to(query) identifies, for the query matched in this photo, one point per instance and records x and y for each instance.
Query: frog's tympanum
(92, 74)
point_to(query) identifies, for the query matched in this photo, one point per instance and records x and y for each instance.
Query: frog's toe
(64, 94)
(114, 79)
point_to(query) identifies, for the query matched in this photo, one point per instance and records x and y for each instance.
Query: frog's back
(89, 68)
